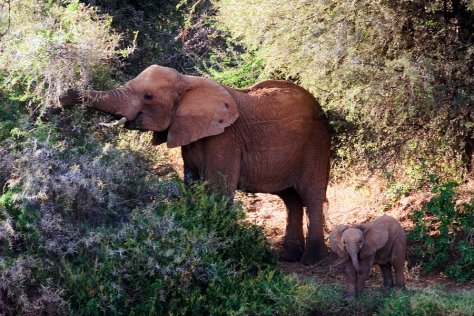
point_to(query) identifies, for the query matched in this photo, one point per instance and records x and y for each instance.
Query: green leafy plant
(23, 232)
(235, 69)
(191, 253)
(445, 232)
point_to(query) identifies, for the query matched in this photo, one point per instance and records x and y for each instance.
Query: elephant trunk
(105, 101)
(109, 102)
(353, 252)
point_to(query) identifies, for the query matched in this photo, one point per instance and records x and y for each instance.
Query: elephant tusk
(122, 121)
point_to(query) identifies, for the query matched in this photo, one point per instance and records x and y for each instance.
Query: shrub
(57, 177)
(234, 69)
(150, 27)
(47, 46)
(445, 232)
(190, 253)
(396, 93)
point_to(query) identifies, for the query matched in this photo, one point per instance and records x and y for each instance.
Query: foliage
(9, 116)
(190, 253)
(395, 77)
(234, 69)
(150, 27)
(47, 47)
(445, 233)
(187, 254)
(432, 301)
(176, 33)
(57, 178)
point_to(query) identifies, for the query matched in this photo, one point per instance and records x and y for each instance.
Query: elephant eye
(148, 96)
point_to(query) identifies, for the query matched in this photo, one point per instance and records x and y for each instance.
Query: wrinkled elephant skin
(271, 137)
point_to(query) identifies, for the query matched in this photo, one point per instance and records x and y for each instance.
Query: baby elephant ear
(376, 237)
(335, 239)
(204, 110)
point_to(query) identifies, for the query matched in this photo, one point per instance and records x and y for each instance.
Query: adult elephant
(269, 138)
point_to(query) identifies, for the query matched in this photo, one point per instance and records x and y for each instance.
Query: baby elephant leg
(399, 276)
(387, 276)
(398, 263)
(351, 280)
(365, 266)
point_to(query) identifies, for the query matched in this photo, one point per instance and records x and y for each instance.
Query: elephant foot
(313, 254)
(291, 251)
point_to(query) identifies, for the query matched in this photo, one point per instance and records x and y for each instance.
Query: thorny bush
(444, 233)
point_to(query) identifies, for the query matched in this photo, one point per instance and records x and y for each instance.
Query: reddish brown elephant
(381, 241)
(269, 138)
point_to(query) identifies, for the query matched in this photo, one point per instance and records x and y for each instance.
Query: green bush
(239, 70)
(22, 232)
(151, 27)
(59, 176)
(444, 233)
(187, 254)
(9, 116)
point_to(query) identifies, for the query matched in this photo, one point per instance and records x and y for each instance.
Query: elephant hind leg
(399, 275)
(398, 262)
(293, 245)
(316, 248)
(387, 276)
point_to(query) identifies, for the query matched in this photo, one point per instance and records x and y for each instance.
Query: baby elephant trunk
(353, 252)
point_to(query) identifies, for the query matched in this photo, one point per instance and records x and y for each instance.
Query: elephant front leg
(365, 266)
(190, 174)
(351, 281)
(315, 247)
(222, 172)
(293, 245)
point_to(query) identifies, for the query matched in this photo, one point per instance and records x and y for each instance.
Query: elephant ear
(375, 237)
(204, 110)
(335, 239)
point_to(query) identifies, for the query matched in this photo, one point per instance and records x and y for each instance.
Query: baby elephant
(381, 241)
